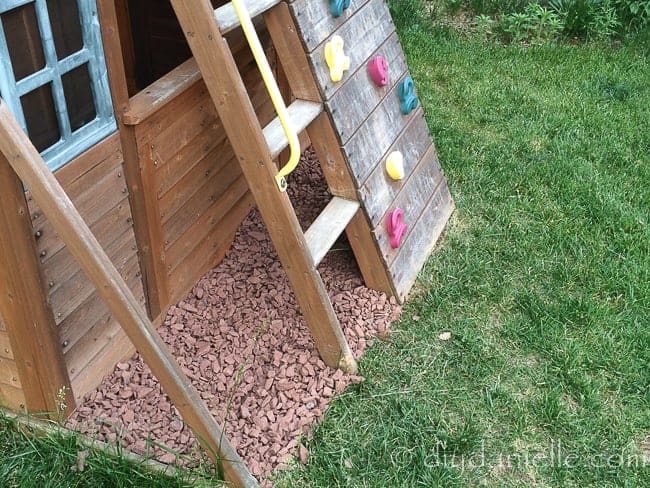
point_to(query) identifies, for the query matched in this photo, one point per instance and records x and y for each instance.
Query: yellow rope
(272, 88)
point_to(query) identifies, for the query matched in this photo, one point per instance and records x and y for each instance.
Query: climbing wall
(372, 101)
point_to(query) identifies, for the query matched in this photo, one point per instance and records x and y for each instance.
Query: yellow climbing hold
(395, 165)
(336, 59)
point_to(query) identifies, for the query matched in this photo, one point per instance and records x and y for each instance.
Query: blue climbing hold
(338, 6)
(407, 98)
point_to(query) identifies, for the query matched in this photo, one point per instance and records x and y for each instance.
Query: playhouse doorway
(152, 40)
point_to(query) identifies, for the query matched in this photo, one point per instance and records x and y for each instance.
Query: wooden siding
(11, 392)
(95, 182)
(198, 194)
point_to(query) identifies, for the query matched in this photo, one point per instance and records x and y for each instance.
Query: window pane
(42, 124)
(79, 97)
(66, 26)
(23, 40)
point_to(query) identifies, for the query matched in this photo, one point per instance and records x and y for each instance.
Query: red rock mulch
(285, 387)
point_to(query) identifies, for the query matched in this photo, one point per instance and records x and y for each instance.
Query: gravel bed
(241, 339)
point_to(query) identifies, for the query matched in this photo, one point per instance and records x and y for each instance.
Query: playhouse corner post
(26, 313)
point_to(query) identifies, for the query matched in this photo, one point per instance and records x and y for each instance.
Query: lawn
(60, 460)
(542, 278)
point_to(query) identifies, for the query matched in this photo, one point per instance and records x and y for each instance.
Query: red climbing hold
(378, 69)
(395, 227)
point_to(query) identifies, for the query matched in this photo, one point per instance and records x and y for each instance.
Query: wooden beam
(329, 225)
(82, 244)
(28, 317)
(146, 222)
(290, 53)
(236, 111)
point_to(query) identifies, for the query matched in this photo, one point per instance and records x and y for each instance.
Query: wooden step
(328, 226)
(302, 113)
(227, 18)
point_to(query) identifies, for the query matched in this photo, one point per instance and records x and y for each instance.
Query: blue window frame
(53, 75)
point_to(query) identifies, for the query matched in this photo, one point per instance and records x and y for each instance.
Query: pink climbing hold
(378, 69)
(395, 227)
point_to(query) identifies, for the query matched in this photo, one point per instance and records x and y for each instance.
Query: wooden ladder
(256, 149)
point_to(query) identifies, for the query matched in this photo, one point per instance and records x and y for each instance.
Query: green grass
(52, 461)
(543, 278)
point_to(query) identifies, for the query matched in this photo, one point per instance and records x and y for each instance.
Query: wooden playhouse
(136, 135)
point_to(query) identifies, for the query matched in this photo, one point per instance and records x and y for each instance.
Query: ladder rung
(228, 20)
(328, 226)
(301, 113)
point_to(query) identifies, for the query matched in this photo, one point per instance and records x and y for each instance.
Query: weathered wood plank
(301, 114)
(328, 226)
(373, 268)
(126, 37)
(116, 221)
(327, 148)
(98, 155)
(315, 21)
(356, 100)
(64, 300)
(102, 332)
(211, 250)
(205, 224)
(227, 17)
(412, 199)
(420, 243)
(85, 317)
(31, 329)
(62, 266)
(12, 397)
(182, 128)
(366, 30)
(156, 96)
(182, 162)
(83, 185)
(5, 346)
(9, 374)
(172, 201)
(369, 145)
(182, 192)
(89, 378)
(100, 199)
(158, 121)
(380, 190)
(178, 223)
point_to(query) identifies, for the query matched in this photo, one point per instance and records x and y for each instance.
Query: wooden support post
(146, 220)
(28, 317)
(84, 247)
(291, 54)
(236, 111)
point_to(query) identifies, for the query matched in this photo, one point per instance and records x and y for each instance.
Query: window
(53, 75)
